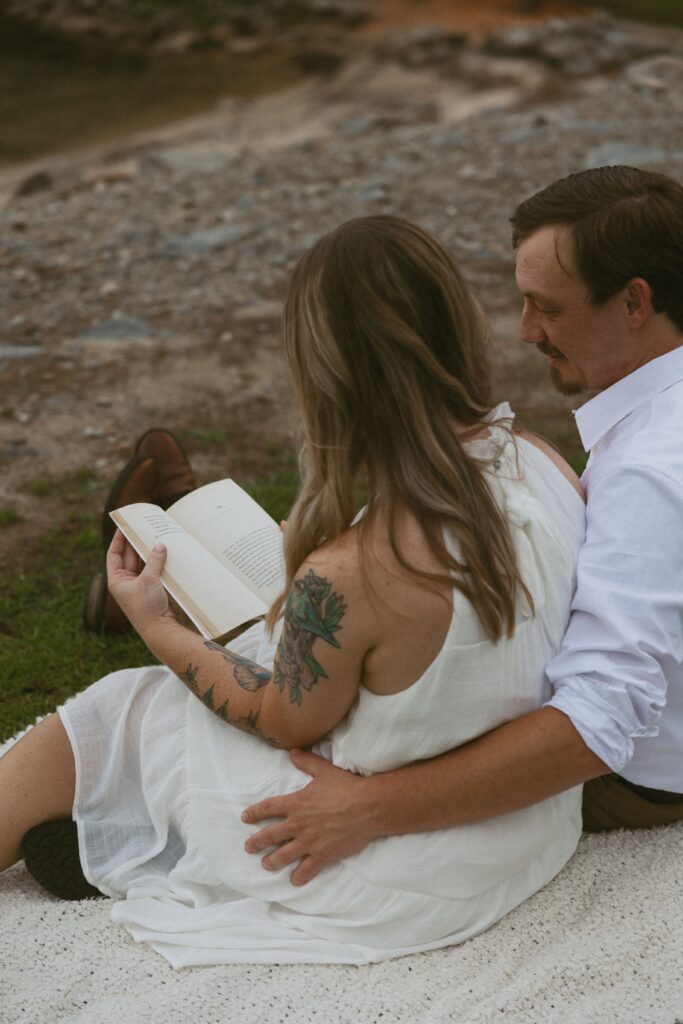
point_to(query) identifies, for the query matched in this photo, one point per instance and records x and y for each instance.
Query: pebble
(20, 351)
(119, 328)
(208, 240)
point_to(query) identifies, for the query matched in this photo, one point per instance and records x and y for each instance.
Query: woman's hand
(139, 594)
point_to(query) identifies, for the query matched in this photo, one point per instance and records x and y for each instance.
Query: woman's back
(469, 684)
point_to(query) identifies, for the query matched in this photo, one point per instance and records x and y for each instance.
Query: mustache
(547, 350)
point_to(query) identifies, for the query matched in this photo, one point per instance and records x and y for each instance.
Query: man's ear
(638, 301)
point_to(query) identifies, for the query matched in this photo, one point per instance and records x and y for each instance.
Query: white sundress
(161, 781)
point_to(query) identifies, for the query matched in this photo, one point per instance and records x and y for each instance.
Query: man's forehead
(546, 256)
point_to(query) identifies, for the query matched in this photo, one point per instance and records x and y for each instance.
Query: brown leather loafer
(137, 481)
(101, 613)
(175, 477)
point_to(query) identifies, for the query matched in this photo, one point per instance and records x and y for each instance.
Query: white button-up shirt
(619, 674)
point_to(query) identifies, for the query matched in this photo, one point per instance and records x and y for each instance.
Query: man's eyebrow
(531, 294)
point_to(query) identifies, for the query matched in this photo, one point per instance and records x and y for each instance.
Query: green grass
(9, 516)
(73, 485)
(45, 654)
(206, 437)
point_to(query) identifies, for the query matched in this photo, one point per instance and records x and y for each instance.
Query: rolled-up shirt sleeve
(625, 635)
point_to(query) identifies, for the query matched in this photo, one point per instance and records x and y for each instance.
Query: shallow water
(57, 94)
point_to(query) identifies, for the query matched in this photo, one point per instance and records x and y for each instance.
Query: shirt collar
(618, 401)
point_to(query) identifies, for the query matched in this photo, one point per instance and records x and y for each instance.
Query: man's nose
(530, 329)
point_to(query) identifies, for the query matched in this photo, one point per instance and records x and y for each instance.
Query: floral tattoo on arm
(311, 611)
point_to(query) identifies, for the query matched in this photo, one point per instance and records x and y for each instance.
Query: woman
(404, 632)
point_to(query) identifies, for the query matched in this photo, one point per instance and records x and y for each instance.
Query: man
(600, 268)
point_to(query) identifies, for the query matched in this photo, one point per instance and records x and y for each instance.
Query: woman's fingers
(155, 563)
(116, 551)
(131, 561)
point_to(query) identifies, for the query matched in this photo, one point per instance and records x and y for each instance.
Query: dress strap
(503, 412)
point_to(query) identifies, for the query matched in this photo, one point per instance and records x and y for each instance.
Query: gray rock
(427, 45)
(577, 47)
(17, 449)
(208, 240)
(119, 328)
(61, 174)
(349, 12)
(259, 310)
(390, 117)
(658, 73)
(39, 181)
(611, 153)
(185, 161)
(20, 351)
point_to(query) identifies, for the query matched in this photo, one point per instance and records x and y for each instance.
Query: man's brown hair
(625, 223)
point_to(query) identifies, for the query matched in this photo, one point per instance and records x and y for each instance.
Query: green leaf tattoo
(311, 612)
(247, 723)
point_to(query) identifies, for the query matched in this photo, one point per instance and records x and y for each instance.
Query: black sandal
(51, 857)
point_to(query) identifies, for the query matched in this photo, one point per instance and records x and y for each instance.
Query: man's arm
(338, 814)
(623, 641)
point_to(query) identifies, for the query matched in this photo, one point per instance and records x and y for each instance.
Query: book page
(206, 591)
(238, 532)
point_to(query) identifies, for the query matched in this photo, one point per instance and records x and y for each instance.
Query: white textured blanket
(602, 944)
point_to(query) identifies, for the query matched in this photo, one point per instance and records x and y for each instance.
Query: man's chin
(565, 387)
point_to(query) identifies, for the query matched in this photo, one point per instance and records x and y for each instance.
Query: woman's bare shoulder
(552, 453)
(366, 562)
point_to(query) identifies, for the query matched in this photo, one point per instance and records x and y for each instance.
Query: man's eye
(546, 312)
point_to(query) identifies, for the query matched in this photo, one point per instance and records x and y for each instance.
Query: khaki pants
(610, 803)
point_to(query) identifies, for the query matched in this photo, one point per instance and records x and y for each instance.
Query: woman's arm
(319, 659)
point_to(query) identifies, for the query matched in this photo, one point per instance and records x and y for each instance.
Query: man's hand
(321, 824)
(139, 594)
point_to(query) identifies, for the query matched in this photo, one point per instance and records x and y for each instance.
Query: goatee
(565, 387)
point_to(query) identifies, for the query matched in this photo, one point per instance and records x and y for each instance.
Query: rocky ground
(141, 282)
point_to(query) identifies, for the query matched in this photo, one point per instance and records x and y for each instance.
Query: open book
(225, 564)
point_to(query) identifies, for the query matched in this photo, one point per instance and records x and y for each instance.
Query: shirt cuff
(604, 718)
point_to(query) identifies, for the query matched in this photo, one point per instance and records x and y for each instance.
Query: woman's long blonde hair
(388, 353)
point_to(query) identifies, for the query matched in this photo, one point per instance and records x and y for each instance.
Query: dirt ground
(67, 425)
